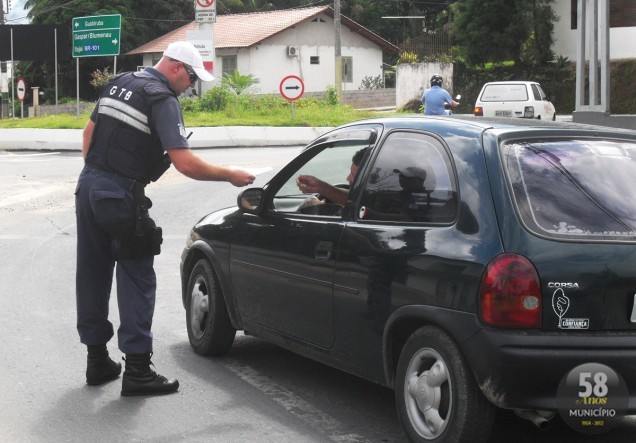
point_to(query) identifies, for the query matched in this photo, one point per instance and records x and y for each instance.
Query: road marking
(31, 195)
(314, 417)
(13, 156)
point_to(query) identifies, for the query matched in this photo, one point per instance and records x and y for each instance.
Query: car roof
(472, 123)
(512, 82)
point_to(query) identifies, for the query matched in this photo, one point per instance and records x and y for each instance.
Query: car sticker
(363, 212)
(560, 305)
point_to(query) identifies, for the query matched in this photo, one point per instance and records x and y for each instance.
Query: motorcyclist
(436, 98)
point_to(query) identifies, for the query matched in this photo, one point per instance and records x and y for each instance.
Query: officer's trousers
(104, 210)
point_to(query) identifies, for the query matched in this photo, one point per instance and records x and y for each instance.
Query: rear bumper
(524, 369)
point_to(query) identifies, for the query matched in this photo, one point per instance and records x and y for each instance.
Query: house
(273, 45)
(622, 29)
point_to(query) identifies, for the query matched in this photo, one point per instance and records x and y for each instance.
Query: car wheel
(209, 328)
(436, 394)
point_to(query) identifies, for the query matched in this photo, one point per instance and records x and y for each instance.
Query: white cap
(185, 52)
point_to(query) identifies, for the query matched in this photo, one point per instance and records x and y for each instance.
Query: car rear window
(500, 93)
(575, 189)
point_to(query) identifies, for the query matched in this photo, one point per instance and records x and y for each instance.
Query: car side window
(536, 93)
(330, 164)
(411, 180)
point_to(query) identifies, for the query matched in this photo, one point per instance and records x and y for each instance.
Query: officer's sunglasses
(191, 73)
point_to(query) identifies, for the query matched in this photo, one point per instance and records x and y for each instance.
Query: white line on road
(314, 417)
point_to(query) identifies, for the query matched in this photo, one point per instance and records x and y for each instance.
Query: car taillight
(510, 293)
(528, 112)
(479, 111)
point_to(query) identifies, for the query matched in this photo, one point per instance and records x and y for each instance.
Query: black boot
(100, 368)
(139, 379)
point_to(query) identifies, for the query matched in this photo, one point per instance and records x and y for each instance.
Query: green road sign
(98, 35)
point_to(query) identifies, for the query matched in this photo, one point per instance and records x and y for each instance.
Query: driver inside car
(308, 184)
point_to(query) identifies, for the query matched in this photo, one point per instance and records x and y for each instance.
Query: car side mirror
(251, 200)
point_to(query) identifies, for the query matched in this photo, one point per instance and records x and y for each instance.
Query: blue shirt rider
(435, 98)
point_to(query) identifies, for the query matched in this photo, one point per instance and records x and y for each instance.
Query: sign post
(292, 88)
(95, 36)
(205, 11)
(21, 91)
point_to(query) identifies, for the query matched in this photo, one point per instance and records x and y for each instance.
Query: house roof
(246, 30)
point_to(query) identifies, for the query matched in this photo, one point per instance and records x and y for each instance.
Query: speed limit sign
(21, 89)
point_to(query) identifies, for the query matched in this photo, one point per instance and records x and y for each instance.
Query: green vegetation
(220, 107)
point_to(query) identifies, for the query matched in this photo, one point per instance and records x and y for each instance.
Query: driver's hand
(308, 184)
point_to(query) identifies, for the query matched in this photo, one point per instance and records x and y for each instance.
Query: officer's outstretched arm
(190, 165)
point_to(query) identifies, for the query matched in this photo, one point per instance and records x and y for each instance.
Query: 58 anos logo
(592, 398)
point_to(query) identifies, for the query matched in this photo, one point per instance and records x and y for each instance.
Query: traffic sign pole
(292, 88)
(21, 89)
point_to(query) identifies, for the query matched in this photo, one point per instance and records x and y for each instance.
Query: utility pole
(336, 21)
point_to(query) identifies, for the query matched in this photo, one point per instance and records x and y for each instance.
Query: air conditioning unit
(292, 51)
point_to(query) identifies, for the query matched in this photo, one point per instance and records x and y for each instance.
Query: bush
(332, 95)
(413, 106)
(372, 82)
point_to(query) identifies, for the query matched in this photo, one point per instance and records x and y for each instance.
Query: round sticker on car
(592, 398)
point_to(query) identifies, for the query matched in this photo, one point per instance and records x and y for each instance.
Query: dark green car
(472, 264)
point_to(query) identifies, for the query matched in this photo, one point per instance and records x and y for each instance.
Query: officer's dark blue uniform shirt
(136, 119)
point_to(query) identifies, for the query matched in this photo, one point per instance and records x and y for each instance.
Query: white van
(514, 99)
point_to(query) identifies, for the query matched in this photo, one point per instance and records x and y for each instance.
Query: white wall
(269, 62)
(412, 79)
(565, 38)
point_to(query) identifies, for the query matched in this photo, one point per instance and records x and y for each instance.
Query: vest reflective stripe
(124, 113)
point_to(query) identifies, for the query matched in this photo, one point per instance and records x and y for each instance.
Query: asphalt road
(257, 393)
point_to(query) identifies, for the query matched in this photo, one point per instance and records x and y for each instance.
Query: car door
(409, 244)
(282, 260)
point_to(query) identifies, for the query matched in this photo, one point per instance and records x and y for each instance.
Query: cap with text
(185, 52)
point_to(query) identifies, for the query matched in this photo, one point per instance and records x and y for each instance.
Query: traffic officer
(133, 135)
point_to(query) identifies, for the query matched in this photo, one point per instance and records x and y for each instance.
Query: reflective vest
(123, 141)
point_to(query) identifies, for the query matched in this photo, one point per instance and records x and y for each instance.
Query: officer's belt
(127, 183)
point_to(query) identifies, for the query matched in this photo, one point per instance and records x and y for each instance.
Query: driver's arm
(309, 184)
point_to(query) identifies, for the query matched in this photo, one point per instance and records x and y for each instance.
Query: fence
(435, 46)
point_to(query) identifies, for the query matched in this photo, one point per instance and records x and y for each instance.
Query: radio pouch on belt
(146, 238)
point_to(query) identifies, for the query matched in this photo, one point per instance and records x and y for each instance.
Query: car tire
(209, 328)
(437, 397)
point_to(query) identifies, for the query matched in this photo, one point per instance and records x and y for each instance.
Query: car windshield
(505, 92)
(575, 189)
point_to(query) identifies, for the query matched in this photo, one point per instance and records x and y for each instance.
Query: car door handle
(323, 250)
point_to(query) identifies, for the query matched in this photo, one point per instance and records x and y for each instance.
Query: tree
(238, 83)
(501, 30)
(490, 30)
(141, 22)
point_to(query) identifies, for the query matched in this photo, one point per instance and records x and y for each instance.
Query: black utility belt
(128, 184)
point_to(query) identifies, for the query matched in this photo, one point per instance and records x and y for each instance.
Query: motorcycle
(447, 107)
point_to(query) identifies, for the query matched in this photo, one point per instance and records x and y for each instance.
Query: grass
(310, 113)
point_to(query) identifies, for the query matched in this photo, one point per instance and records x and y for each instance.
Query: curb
(16, 139)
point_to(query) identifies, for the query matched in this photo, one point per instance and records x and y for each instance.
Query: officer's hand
(240, 178)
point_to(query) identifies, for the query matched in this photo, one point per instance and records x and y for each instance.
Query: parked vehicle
(514, 99)
(475, 263)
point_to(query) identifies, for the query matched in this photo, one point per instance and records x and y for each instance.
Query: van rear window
(575, 189)
(508, 93)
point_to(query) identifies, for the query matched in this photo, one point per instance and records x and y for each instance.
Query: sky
(17, 15)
